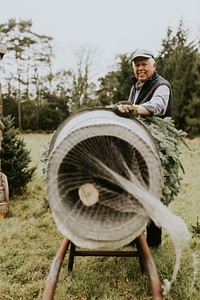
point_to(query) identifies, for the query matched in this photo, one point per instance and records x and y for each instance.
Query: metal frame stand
(142, 252)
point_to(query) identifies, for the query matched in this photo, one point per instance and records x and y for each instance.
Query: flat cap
(142, 53)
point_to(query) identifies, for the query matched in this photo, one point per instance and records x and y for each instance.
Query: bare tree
(83, 89)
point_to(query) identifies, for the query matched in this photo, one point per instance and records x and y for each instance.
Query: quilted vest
(148, 90)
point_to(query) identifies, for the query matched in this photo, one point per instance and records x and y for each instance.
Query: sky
(111, 27)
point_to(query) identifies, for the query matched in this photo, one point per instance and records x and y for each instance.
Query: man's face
(143, 69)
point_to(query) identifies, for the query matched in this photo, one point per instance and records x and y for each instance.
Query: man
(150, 95)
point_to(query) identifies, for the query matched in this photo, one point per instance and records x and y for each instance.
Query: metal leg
(71, 256)
(150, 268)
(52, 278)
(143, 253)
(140, 256)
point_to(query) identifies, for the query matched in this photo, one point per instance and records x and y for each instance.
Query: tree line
(39, 99)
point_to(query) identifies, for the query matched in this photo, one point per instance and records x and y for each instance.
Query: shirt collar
(134, 79)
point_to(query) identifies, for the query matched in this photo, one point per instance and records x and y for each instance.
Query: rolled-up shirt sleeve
(157, 105)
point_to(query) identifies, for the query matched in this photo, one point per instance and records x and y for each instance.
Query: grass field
(29, 240)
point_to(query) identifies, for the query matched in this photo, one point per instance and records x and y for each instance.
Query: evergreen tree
(193, 108)
(193, 117)
(177, 62)
(123, 75)
(116, 85)
(15, 159)
(107, 87)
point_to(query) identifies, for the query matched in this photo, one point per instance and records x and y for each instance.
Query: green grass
(29, 241)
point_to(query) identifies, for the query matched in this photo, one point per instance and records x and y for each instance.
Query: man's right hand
(125, 109)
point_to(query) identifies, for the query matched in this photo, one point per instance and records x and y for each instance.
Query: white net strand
(160, 214)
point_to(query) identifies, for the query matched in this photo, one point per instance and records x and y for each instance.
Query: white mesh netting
(126, 172)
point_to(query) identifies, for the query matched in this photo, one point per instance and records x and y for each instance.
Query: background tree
(17, 44)
(193, 109)
(107, 87)
(29, 60)
(178, 62)
(53, 112)
(116, 85)
(28, 77)
(82, 92)
(15, 159)
(193, 118)
(123, 76)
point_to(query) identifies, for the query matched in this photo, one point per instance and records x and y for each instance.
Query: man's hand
(125, 109)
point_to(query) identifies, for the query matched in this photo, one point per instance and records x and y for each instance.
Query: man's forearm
(143, 110)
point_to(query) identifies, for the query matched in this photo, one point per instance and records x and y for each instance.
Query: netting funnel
(83, 149)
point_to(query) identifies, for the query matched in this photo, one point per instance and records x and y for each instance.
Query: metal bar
(52, 278)
(107, 253)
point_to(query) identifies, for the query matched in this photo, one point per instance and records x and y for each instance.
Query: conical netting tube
(117, 218)
(121, 163)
